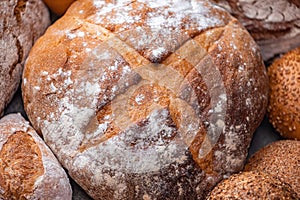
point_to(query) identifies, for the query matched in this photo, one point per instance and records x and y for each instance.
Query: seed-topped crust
(280, 159)
(252, 185)
(284, 104)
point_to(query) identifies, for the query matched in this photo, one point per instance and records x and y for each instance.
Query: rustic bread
(146, 99)
(28, 169)
(22, 22)
(275, 25)
(280, 159)
(284, 104)
(252, 186)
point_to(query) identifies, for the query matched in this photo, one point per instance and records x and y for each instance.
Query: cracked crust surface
(22, 22)
(145, 99)
(28, 169)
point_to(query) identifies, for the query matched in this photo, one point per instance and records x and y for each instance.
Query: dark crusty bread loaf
(28, 169)
(21, 23)
(280, 159)
(252, 186)
(275, 25)
(146, 99)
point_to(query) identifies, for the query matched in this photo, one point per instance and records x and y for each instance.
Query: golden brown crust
(20, 166)
(280, 159)
(284, 104)
(28, 169)
(252, 185)
(146, 99)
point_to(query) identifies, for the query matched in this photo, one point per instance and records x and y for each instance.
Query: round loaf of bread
(254, 186)
(280, 159)
(28, 168)
(22, 22)
(146, 99)
(284, 103)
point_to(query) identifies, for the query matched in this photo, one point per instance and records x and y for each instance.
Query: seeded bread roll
(252, 186)
(284, 103)
(22, 22)
(146, 99)
(280, 159)
(28, 169)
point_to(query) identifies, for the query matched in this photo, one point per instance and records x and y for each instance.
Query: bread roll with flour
(21, 23)
(28, 169)
(146, 99)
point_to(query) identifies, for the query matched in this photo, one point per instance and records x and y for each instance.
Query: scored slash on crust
(146, 73)
(88, 79)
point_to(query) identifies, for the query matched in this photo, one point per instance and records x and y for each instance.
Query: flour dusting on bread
(141, 98)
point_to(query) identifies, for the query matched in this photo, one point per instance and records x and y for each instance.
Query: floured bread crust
(28, 169)
(21, 23)
(275, 25)
(146, 99)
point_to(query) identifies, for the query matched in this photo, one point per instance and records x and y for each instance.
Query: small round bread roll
(252, 186)
(284, 100)
(28, 168)
(21, 24)
(58, 6)
(280, 159)
(146, 99)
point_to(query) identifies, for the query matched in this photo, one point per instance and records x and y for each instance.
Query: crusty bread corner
(146, 99)
(28, 168)
(22, 23)
(273, 24)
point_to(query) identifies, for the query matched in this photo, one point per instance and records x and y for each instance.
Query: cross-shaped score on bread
(146, 99)
(160, 88)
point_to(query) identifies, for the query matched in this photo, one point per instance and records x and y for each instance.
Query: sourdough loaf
(146, 99)
(28, 169)
(21, 23)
